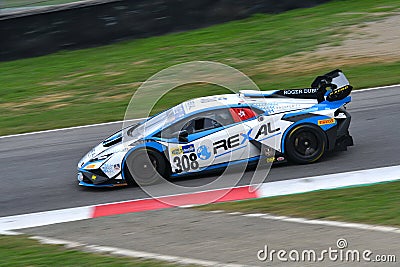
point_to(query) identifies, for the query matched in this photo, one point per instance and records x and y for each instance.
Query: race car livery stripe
(230, 151)
(177, 200)
(296, 118)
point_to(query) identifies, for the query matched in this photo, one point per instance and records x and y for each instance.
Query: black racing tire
(305, 143)
(144, 167)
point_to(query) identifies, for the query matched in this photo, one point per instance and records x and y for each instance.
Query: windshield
(156, 122)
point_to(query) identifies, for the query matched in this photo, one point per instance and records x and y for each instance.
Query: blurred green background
(277, 51)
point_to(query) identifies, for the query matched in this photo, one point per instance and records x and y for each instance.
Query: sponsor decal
(92, 153)
(110, 168)
(266, 129)
(326, 121)
(188, 149)
(178, 111)
(270, 159)
(231, 142)
(203, 152)
(212, 99)
(94, 177)
(182, 150)
(190, 104)
(280, 159)
(207, 100)
(277, 107)
(337, 91)
(176, 151)
(117, 167)
(300, 91)
(107, 168)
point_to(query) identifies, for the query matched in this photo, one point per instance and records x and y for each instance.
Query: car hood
(106, 148)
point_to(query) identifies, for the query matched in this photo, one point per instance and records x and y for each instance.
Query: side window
(172, 130)
(201, 124)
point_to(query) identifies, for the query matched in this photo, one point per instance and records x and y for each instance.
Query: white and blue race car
(210, 133)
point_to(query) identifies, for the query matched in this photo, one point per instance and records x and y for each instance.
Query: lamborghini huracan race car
(209, 133)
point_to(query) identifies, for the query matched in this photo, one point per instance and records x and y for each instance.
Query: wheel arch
(295, 126)
(149, 145)
(312, 122)
(291, 130)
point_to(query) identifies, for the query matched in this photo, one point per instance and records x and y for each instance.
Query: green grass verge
(375, 204)
(94, 85)
(30, 3)
(21, 251)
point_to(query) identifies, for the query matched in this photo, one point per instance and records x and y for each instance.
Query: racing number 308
(186, 163)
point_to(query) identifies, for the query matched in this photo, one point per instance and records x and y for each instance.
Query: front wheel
(305, 144)
(144, 167)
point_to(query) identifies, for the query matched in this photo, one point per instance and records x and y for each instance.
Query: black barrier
(91, 23)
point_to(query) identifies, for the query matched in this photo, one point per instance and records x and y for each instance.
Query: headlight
(97, 162)
(94, 165)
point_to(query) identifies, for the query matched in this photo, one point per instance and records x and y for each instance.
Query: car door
(206, 139)
(193, 147)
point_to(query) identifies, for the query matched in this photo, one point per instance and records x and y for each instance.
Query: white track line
(358, 226)
(130, 253)
(122, 252)
(278, 188)
(45, 218)
(376, 88)
(329, 181)
(115, 122)
(69, 128)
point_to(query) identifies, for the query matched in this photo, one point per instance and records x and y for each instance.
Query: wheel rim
(144, 166)
(306, 144)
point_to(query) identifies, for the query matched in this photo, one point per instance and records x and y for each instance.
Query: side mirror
(183, 136)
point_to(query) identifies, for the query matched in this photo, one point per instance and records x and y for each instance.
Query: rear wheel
(306, 144)
(144, 167)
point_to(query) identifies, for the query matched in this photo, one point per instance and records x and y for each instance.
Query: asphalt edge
(279, 188)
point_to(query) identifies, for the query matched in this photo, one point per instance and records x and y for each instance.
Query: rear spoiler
(337, 83)
(332, 86)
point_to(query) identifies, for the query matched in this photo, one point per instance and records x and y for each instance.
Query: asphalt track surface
(38, 171)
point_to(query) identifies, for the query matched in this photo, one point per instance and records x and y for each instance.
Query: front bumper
(102, 185)
(96, 178)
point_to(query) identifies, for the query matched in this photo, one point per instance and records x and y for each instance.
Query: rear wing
(337, 83)
(332, 86)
